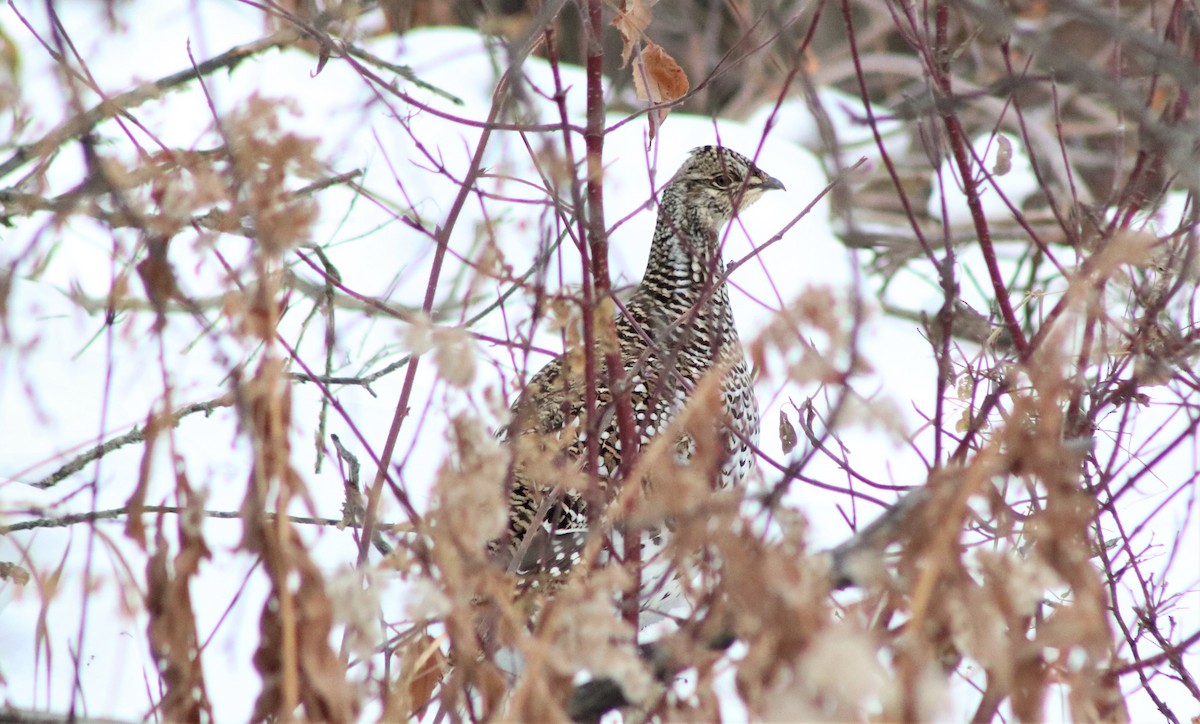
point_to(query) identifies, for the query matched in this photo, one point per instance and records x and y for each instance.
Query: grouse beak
(770, 182)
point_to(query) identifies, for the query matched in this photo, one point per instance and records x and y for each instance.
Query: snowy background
(69, 381)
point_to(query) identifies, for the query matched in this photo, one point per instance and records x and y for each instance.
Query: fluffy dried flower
(838, 677)
(418, 335)
(815, 310)
(470, 485)
(1025, 580)
(879, 413)
(454, 356)
(354, 596)
(264, 159)
(589, 636)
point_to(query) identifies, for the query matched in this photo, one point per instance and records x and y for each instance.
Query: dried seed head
(454, 356)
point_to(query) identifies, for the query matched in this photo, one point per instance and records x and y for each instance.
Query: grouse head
(714, 183)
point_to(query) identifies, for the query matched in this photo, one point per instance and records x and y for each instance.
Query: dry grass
(1021, 567)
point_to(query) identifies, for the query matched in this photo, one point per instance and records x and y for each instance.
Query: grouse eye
(723, 181)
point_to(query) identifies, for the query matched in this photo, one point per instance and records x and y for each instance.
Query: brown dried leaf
(294, 656)
(265, 404)
(1004, 152)
(158, 277)
(269, 398)
(426, 671)
(965, 388)
(259, 310)
(658, 79)
(787, 433)
(266, 157)
(12, 572)
(964, 422)
(397, 14)
(135, 529)
(633, 17)
(174, 642)
(1129, 247)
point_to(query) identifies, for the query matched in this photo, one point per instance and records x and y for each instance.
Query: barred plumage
(676, 327)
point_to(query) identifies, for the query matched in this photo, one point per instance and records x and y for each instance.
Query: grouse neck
(685, 264)
(684, 284)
